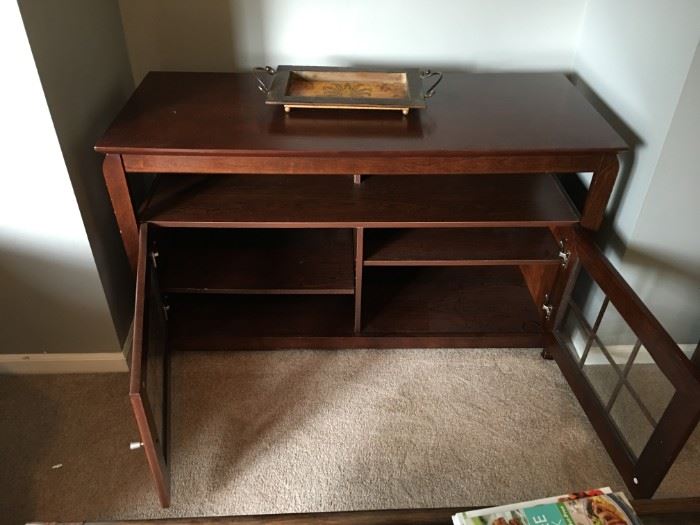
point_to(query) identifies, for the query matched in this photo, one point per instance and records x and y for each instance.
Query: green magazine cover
(589, 508)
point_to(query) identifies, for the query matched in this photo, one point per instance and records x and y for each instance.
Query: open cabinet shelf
(447, 301)
(255, 261)
(379, 201)
(309, 288)
(459, 246)
(230, 322)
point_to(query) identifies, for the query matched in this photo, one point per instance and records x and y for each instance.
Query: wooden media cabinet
(448, 227)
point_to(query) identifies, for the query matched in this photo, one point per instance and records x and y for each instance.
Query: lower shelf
(404, 308)
(448, 300)
(211, 322)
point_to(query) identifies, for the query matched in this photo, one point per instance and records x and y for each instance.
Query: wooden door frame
(143, 411)
(643, 474)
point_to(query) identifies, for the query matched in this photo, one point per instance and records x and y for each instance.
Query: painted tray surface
(346, 88)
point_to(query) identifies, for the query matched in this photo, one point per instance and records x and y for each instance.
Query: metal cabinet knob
(135, 445)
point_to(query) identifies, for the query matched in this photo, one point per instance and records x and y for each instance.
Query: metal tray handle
(262, 86)
(428, 74)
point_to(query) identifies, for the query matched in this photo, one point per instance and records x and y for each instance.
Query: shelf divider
(359, 266)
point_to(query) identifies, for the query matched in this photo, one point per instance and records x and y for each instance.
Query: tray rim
(277, 93)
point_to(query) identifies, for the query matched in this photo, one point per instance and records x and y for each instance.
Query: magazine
(593, 507)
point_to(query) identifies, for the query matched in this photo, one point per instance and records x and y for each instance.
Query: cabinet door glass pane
(628, 383)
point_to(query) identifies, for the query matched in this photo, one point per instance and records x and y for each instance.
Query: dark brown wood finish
(148, 380)
(440, 300)
(402, 308)
(471, 255)
(558, 291)
(118, 189)
(224, 114)
(642, 474)
(670, 436)
(460, 247)
(215, 322)
(678, 422)
(654, 512)
(364, 165)
(664, 506)
(479, 123)
(599, 192)
(320, 201)
(540, 281)
(366, 517)
(255, 261)
(359, 258)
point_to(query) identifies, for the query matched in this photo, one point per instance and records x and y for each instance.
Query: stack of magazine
(592, 507)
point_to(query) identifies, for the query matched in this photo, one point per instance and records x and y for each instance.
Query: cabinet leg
(115, 180)
(599, 192)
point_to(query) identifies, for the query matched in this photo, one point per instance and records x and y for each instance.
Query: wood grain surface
(225, 114)
(320, 201)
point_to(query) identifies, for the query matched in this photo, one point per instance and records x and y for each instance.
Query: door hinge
(564, 254)
(154, 257)
(547, 308)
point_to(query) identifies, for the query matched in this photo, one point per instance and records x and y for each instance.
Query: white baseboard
(619, 353)
(67, 363)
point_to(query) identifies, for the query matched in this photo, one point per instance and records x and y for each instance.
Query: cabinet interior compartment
(459, 246)
(239, 322)
(522, 200)
(448, 300)
(255, 261)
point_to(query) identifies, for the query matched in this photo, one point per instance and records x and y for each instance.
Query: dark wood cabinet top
(471, 114)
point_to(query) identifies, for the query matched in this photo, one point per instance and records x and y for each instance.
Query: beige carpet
(300, 431)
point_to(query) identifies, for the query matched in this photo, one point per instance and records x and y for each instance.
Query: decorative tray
(346, 88)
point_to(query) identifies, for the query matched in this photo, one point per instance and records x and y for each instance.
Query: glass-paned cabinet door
(639, 388)
(148, 386)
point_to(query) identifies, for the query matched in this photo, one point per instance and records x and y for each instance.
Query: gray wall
(80, 54)
(51, 298)
(636, 56)
(224, 35)
(663, 255)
